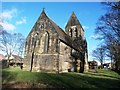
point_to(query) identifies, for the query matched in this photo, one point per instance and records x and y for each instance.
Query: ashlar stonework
(50, 49)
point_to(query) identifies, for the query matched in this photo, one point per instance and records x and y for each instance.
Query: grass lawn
(16, 78)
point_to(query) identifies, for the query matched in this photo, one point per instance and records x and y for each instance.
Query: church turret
(72, 20)
(73, 27)
(76, 32)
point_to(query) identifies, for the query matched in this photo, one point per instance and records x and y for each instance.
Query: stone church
(51, 49)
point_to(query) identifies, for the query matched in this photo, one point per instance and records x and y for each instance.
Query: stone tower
(75, 30)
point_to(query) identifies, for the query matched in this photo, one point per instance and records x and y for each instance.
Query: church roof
(62, 35)
(72, 21)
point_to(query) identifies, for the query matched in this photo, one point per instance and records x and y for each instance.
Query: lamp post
(36, 35)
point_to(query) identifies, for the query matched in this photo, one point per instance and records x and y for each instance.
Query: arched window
(26, 47)
(75, 32)
(70, 32)
(33, 41)
(38, 43)
(28, 43)
(46, 42)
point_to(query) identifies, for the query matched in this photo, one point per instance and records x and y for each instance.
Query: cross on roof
(43, 8)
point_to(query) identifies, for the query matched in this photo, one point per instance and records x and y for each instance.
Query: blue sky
(21, 16)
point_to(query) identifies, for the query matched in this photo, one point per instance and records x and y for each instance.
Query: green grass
(102, 79)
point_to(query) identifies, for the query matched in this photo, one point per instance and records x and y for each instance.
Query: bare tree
(11, 43)
(99, 54)
(108, 27)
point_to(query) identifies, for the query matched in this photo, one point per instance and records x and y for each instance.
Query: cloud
(23, 21)
(95, 36)
(7, 26)
(8, 14)
(85, 27)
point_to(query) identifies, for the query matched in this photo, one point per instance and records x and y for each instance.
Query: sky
(21, 17)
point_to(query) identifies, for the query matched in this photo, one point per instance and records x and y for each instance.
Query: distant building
(50, 49)
(14, 60)
(2, 57)
(93, 64)
(107, 65)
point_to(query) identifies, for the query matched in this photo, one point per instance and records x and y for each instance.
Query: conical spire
(72, 20)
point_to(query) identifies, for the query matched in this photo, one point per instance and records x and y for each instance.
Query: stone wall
(45, 63)
(27, 61)
(65, 57)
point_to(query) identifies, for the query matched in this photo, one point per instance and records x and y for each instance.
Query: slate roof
(62, 35)
(73, 21)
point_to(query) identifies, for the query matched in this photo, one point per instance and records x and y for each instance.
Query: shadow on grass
(8, 76)
(95, 82)
(62, 80)
(105, 75)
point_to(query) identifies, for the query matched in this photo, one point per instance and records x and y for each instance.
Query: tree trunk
(75, 66)
(81, 67)
(82, 64)
(101, 64)
(8, 61)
